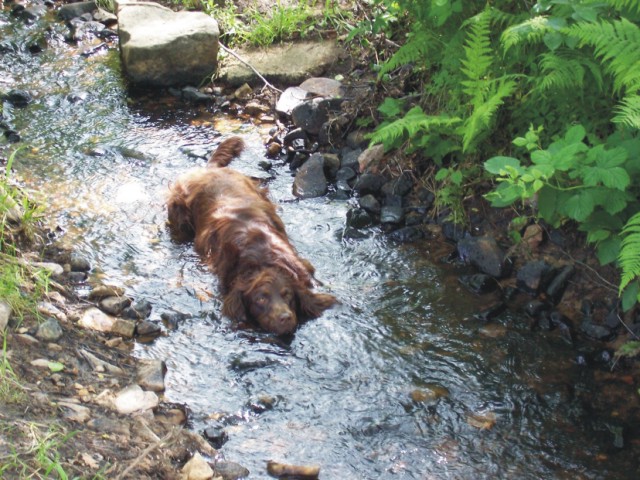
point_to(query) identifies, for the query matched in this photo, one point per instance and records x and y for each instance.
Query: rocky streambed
(454, 352)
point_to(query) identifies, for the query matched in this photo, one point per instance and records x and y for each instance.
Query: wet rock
(255, 109)
(12, 136)
(49, 331)
(479, 283)
(172, 319)
(197, 468)
(331, 164)
(558, 285)
(357, 139)
(492, 330)
(151, 374)
(485, 254)
(69, 11)
(428, 393)
(491, 312)
(32, 13)
(345, 174)
(162, 48)
(349, 159)
(296, 138)
(108, 19)
(242, 92)
(291, 98)
(406, 235)
(114, 305)
(359, 218)
(370, 204)
(452, 231)
(391, 214)
(82, 30)
(216, 435)
(369, 183)
(595, 331)
(96, 319)
(77, 277)
(79, 263)
(370, 158)
(298, 160)
(560, 322)
(399, 186)
(535, 307)
(231, 471)
(133, 399)
(310, 115)
(5, 315)
(138, 310)
(102, 291)
(193, 95)
(534, 276)
(310, 180)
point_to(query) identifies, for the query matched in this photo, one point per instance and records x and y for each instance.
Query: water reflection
(398, 381)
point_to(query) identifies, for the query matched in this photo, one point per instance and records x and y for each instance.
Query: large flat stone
(284, 64)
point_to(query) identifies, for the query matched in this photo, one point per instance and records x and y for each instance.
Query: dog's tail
(226, 151)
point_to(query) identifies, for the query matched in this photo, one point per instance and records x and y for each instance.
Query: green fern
(410, 125)
(531, 31)
(414, 51)
(629, 111)
(629, 257)
(630, 5)
(617, 45)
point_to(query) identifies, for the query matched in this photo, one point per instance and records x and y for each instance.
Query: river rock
(54, 269)
(161, 48)
(5, 315)
(323, 87)
(151, 374)
(31, 13)
(73, 10)
(114, 305)
(197, 468)
(74, 412)
(310, 115)
(102, 291)
(79, 263)
(359, 218)
(290, 99)
(216, 435)
(485, 254)
(406, 234)
(349, 158)
(133, 399)
(534, 276)
(138, 310)
(369, 183)
(95, 319)
(370, 204)
(558, 285)
(19, 98)
(391, 214)
(49, 330)
(370, 158)
(479, 283)
(231, 471)
(310, 180)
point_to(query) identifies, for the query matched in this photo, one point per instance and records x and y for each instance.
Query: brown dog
(238, 234)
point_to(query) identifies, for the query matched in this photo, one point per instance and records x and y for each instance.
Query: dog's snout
(285, 317)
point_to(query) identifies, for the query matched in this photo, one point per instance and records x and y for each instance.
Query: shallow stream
(397, 382)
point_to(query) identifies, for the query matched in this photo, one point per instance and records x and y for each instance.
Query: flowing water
(398, 381)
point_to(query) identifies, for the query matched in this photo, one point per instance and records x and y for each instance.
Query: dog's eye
(287, 294)
(262, 300)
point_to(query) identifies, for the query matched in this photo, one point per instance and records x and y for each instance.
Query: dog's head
(275, 301)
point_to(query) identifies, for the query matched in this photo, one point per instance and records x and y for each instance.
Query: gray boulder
(161, 48)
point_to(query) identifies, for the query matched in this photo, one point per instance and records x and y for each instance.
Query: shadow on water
(396, 382)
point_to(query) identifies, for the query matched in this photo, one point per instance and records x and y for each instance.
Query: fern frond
(530, 31)
(616, 44)
(628, 112)
(478, 52)
(483, 114)
(560, 73)
(414, 51)
(629, 257)
(408, 126)
(630, 5)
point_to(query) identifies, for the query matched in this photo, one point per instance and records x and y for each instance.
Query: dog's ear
(233, 306)
(311, 305)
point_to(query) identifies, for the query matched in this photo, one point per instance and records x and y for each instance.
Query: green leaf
(608, 250)
(579, 206)
(628, 349)
(612, 177)
(547, 204)
(497, 165)
(541, 157)
(55, 366)
(575, 134)
(630, 296)
(552, 40)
